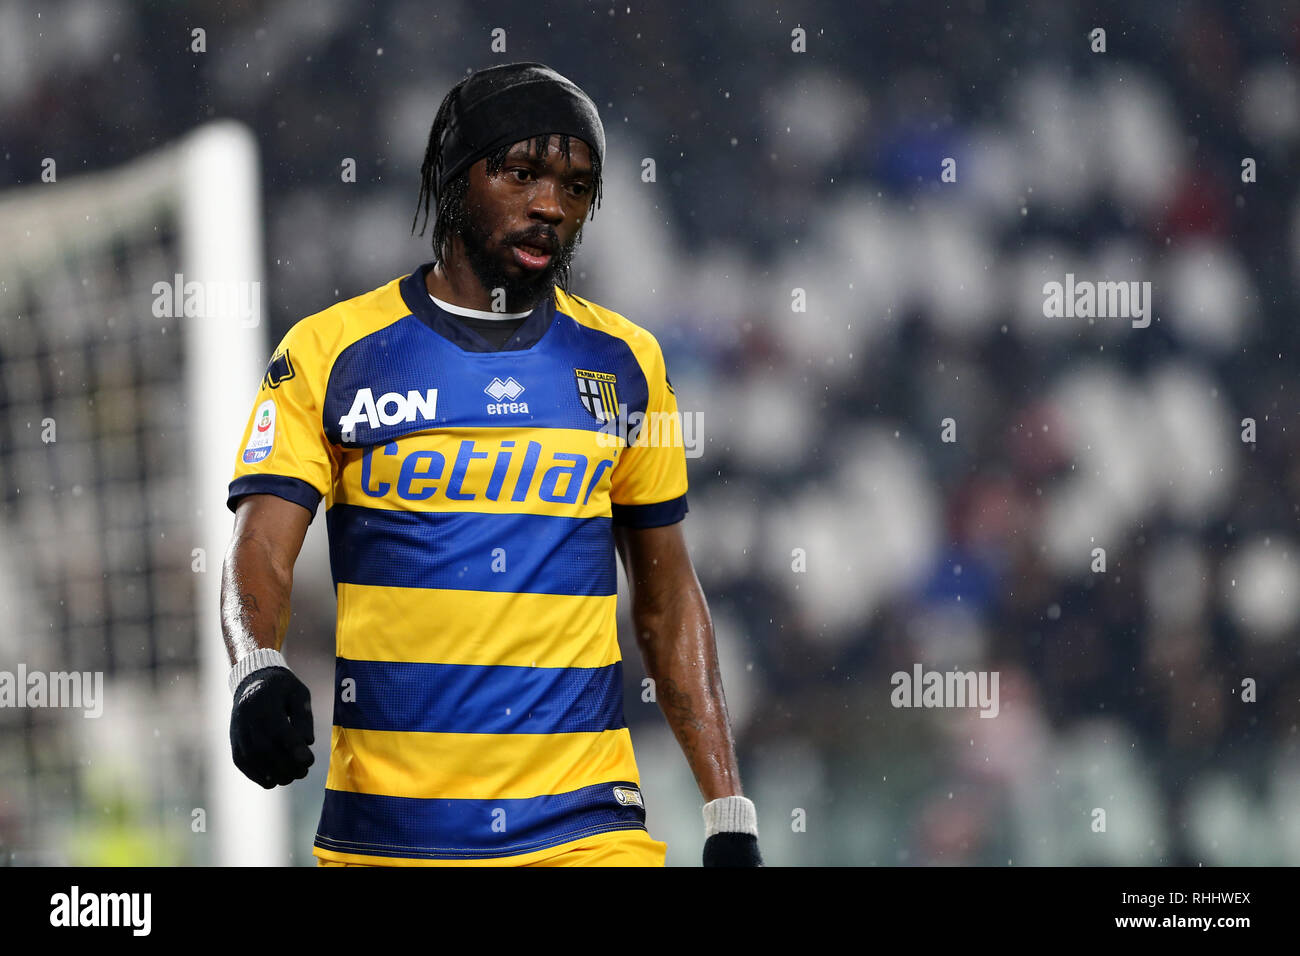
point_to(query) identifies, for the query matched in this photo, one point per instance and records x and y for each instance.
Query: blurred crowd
(905, 461)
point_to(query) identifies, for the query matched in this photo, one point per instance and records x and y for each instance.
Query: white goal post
(121, 436)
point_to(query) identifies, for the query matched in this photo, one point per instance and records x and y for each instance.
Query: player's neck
(461, 287)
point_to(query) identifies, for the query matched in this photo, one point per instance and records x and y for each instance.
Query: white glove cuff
(730, 815)
(262, 657)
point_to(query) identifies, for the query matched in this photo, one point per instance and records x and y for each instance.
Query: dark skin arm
(257, 574)
(675, 636)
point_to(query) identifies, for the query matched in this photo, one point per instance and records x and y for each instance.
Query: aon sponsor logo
(390, 408)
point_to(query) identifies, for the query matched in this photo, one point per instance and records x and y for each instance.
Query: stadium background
(819, 171)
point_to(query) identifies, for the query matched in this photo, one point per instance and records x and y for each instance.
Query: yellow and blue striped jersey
(470, 501)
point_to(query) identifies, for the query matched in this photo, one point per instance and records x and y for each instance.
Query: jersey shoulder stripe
(650, 491)
(645, 347)
(292, 395)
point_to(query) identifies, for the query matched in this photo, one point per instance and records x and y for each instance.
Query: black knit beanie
(510, 103)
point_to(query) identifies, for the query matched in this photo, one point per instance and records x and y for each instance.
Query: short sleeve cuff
(282, 486)
(651, 516)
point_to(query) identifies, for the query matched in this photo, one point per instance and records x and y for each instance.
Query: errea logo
(391, 408)
(509, 389)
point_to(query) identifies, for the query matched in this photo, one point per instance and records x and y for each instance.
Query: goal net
(130, 335)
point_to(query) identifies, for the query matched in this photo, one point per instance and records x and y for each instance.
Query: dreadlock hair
(450, 212)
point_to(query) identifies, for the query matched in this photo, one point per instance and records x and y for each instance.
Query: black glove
(732, 849)
(271, 727)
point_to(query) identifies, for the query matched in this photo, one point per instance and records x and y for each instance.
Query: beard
(495, 267)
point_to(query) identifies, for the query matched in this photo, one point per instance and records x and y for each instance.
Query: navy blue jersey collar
(416, 296)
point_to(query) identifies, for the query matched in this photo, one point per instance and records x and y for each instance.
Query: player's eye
(521, 169)
(582, 189)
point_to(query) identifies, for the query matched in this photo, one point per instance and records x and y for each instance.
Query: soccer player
(469, 427)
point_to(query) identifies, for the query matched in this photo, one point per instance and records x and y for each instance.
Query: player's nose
(544, 202)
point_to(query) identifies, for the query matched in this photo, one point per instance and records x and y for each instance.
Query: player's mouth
(532, 256)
